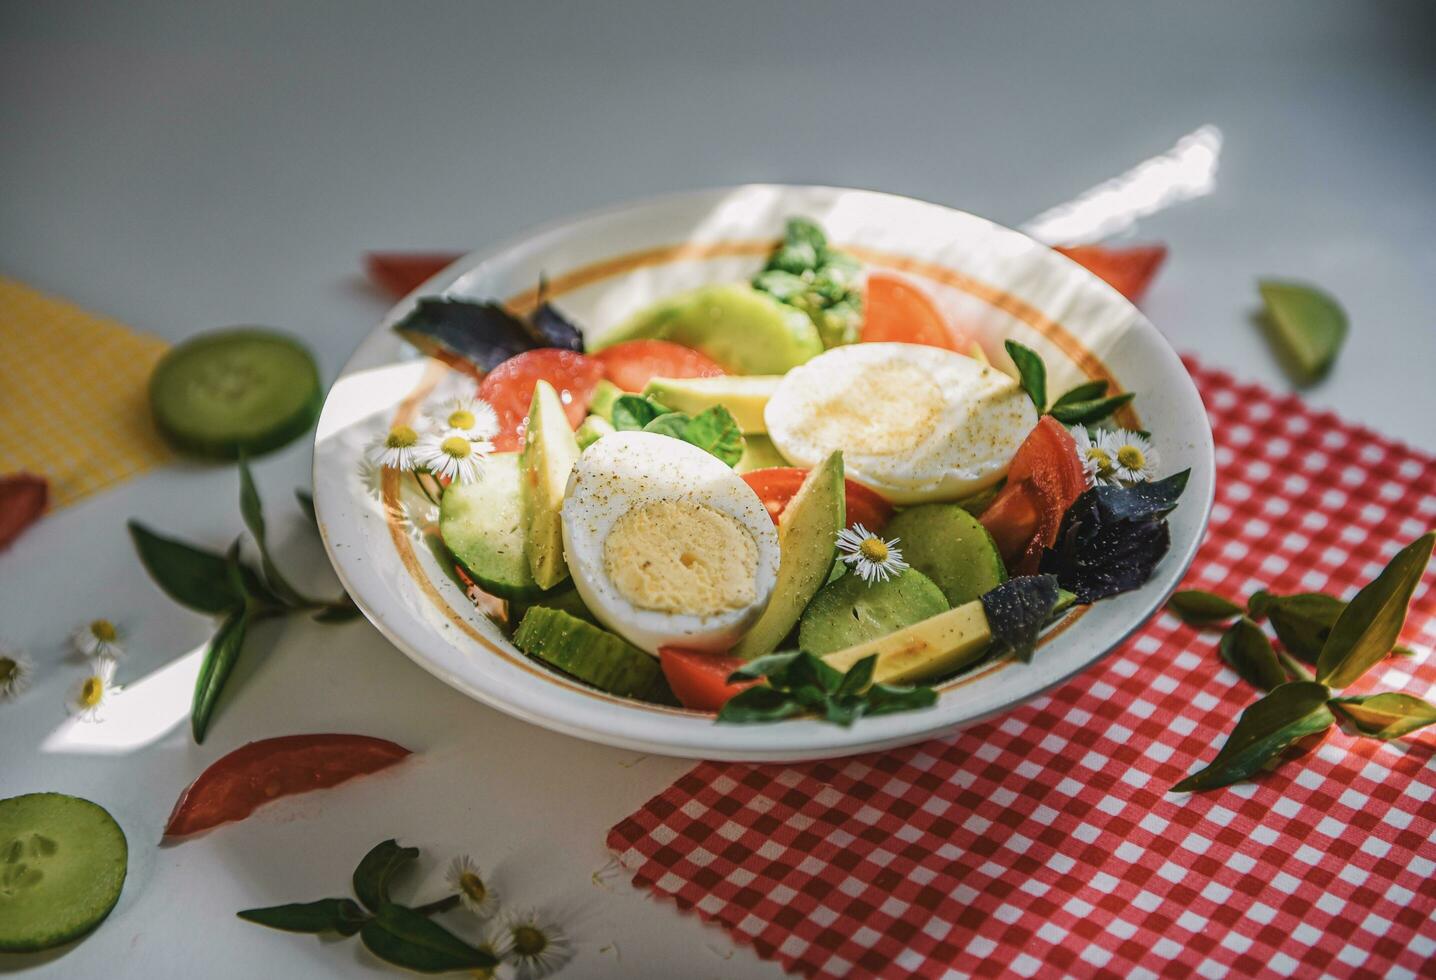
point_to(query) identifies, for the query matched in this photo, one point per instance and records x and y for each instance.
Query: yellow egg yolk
(673, 556)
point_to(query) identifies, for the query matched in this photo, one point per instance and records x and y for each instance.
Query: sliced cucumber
(242, 391)
(62, 865)
(589, 653)
(951, 547)
(850, 611)
(482, 525)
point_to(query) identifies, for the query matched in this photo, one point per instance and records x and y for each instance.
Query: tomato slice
(896, 310)
(1128, 270)
(400, 273)
(238, 784)
(1043, 480)
(509, 388)
(633, 363)
(777, 485)
(698, 679)
(23, 497)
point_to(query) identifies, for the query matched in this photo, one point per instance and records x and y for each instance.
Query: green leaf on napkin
(1030, 371)
(1306, 325)
(1247, 651)
(1302, 621)
(1289, 713)
(1198, 608)
(1368, 627)
(1388, 715)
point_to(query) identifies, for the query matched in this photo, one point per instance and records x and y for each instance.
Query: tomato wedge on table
(1128, 270)
(509, 388)
(700, 680)
(400, 273)
(238, 784)
(1043, 480)
(23, 497)
(897, 311)
(777, 485)
(633, 363)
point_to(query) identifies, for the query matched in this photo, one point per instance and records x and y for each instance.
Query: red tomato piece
(400, 273)
(1043, 480)
(1128, 270)
(238, 784)
(700, 680)
(23, 497)
(898, 311)
(777, 485)
(509, 388)
(633, 363)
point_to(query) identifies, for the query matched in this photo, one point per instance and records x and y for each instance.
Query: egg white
(915, 423)
(626, 470)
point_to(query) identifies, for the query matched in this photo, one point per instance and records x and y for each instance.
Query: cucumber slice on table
(589, 653)
(62, 865)
(242, 391)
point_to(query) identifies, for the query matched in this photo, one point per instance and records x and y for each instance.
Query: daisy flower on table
(465, 878)
(452, 457)
(1134, 460)
(535, 945)
(1097, 462)
(92, 692)
(872, 558)
(16, 668)
(472, 418)
(98, 638)
(397, 449)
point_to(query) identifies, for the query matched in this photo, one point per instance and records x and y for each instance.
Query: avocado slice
(745, 396)
(482, 525)
(605, 393)
(549, 452)
(944, 644)
(759, 453)
(851, 611)
(745, 331)
(594, 427)
(951, 547)
(806, 536)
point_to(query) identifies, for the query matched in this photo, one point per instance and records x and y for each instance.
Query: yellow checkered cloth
(73, 403)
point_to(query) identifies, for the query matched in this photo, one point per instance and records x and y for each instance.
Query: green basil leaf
(1294, 668)
(1306, 325)
(758, 704)
(405, 938)
(339, 915)
(1302, 621)
(808, 671)
(1370, 624)
(773, 665)
(1031, 371)
(191, 576)
(887, 699)
(1086, 413)
(252, 511)
(372, 876)
(1388, 715)
(843, 711)
(306, 504)
(219, 660)
(1198, 608)
(633, 412)
(1085, 392)
(672, 424)
(1247, 651)
(1288, 713)
(858, 678)
(717, 432)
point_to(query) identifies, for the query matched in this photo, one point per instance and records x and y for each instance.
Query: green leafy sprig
(227, 586)
(713, 430)
(399, 934)
(801, 683)
(1086, 404)
(1327, 645)
(806, 273)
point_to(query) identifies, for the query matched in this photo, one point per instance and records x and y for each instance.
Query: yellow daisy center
(9, 667)
(529, 941)
(401, 437)
(472, 886)
(1101, 457)
(1131, 458)
(874, 549)
(103, 630)
(455, 446)
(462, 419)
(91, 692)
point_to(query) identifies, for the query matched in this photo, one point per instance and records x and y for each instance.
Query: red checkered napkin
(1046, 842)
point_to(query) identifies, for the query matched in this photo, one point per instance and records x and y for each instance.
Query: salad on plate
(807, 493)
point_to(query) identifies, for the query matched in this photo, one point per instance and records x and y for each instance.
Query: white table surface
(179, 167)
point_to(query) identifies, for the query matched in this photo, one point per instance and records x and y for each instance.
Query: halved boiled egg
(666, 544)
(915, 423)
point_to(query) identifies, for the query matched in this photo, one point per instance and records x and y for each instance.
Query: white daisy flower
(453, 457)
(536, 946)
(472, 418)
(874, 559)
(98, 638)
(396, 449)
(465, 878)
(90, 695)
(1097, 462)
(16, 669)
(1134, 460)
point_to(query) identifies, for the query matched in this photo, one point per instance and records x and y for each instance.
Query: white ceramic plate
(995, 282)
